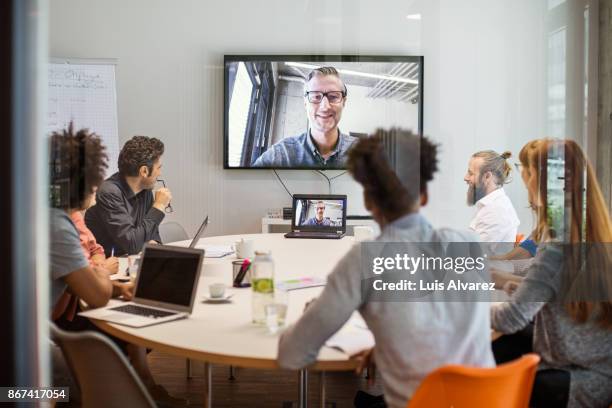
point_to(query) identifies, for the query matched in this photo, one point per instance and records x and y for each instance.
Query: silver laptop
(318, 216)
(165, 288)
(198, 234)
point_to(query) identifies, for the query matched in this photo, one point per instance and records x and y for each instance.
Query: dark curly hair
(394, 167)
(137, 152)
(77, 164)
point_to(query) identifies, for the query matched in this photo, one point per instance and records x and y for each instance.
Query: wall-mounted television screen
(305, 112)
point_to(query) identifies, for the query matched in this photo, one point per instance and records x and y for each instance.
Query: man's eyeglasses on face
(333, 97)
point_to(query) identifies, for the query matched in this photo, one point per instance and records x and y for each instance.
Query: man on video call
(323, 145)
(319, 220)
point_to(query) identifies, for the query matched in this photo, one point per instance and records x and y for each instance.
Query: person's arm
(125, 290)
(516, 253)
(90, 284)
(118, 223)
(538, 287)
(501, 278)
(300, 344)
(490, 226)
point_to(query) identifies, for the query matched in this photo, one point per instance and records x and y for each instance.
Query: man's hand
(365, 360)
(510, 287)
(163, 196)
(125, 290)
(111, 265)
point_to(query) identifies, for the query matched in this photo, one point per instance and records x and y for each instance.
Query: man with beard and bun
(495, 220)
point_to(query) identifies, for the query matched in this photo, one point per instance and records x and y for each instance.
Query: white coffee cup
(133, 261)
(363, 233)
(245, 248)
(216, 290)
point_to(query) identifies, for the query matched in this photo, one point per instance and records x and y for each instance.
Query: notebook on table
(319, 216)
(165, 288)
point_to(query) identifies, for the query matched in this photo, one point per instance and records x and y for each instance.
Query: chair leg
(189, 369)
(208, 385)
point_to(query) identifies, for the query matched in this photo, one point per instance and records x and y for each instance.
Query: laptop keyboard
(313, 234)
(143, 311)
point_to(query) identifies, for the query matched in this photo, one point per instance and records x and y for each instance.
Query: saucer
(222, 299)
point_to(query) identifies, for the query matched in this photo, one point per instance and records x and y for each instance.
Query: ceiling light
(358, 73)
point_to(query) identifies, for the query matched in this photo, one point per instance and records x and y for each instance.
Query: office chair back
(103, 374)
(172, 231)
(506, 386)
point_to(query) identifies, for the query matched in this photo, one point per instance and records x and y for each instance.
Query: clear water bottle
(262, 282)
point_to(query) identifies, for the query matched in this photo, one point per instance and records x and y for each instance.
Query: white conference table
(223, 333)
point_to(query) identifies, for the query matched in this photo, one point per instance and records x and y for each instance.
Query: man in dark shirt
(127, 214)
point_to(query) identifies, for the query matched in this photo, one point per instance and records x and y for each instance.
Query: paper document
(515, 266)
(300, 283)
(216, 251)
(353, 337)
(521, 266)
(119, 277)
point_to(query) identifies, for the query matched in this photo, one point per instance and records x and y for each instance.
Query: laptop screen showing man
(317, 213)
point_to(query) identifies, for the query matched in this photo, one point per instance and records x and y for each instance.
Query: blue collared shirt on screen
(325, 222)
(300, 151)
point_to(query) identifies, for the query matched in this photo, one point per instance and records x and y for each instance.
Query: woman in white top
(495, 220)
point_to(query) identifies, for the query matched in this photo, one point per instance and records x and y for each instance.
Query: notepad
(300, 283)
(216, 251)
(353, 337)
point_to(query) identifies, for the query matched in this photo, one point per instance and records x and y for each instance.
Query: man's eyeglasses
(169, 208)
(333, 97)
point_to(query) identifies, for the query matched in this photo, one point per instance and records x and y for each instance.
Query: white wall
(484, 76)
(365, 115)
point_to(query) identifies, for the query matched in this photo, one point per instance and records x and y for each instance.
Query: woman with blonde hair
(568, 289)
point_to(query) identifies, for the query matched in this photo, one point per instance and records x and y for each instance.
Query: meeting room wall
(485, 75)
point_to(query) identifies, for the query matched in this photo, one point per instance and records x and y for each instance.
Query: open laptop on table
(165, 289)
(321, 216)
(198, 234)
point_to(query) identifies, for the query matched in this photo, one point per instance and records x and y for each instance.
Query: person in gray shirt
(77, 167)
(572, 327)
(127, 214)
(73, 180)
(323, 145)
(412, 338)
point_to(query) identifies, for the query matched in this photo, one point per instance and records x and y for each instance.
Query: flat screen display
(305, 112)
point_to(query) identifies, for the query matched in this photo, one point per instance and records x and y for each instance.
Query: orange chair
(506, 386)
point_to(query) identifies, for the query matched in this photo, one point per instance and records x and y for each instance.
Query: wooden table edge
(216, 358)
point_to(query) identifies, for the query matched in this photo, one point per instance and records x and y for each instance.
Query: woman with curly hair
(413, 337)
